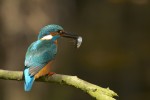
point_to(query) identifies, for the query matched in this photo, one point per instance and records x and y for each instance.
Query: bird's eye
(60, 31)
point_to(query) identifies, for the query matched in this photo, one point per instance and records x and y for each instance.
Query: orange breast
(45, 70)
(55, 42)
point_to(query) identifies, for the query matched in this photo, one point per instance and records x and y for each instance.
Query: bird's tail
(28, 80)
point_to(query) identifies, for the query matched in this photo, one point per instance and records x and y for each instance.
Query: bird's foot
(51, 73)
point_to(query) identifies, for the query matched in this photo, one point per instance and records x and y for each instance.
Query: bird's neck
(47, 41)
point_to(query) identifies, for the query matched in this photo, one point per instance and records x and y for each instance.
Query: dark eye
(60, 31)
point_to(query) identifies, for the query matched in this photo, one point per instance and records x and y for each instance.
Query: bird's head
(53, 32)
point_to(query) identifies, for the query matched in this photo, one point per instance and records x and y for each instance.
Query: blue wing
(38, 55)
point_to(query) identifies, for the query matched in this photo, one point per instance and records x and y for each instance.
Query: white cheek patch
(47, 37)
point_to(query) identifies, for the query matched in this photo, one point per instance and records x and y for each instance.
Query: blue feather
(28, 80)
(49, 28)
(39, 54)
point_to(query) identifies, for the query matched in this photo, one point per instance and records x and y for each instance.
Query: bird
(41, 53)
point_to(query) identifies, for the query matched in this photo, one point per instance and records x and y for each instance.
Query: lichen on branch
(94, 91)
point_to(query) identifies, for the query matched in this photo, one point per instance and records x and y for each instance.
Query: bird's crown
(49, 28)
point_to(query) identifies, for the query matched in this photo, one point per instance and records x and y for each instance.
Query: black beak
(77, 38)
(69, 35)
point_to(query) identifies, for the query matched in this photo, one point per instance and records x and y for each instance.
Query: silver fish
(78, 41)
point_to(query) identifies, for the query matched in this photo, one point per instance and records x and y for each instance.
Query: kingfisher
(41, 53)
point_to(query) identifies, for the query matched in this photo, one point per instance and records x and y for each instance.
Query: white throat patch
(47, 37)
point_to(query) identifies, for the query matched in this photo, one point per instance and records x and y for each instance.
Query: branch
(95, 91)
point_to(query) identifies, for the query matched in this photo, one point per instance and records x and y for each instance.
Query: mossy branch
(95, 91)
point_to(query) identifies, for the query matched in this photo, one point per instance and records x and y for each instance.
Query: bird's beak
(69, 35)
(77, 38)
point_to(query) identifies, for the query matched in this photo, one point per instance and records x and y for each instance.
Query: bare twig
(95, 91)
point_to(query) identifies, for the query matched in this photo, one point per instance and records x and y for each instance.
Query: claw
(51, 73)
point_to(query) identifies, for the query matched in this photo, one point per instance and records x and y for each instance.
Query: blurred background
(115, 52)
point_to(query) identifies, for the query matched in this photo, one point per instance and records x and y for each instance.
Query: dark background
(115, 52)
